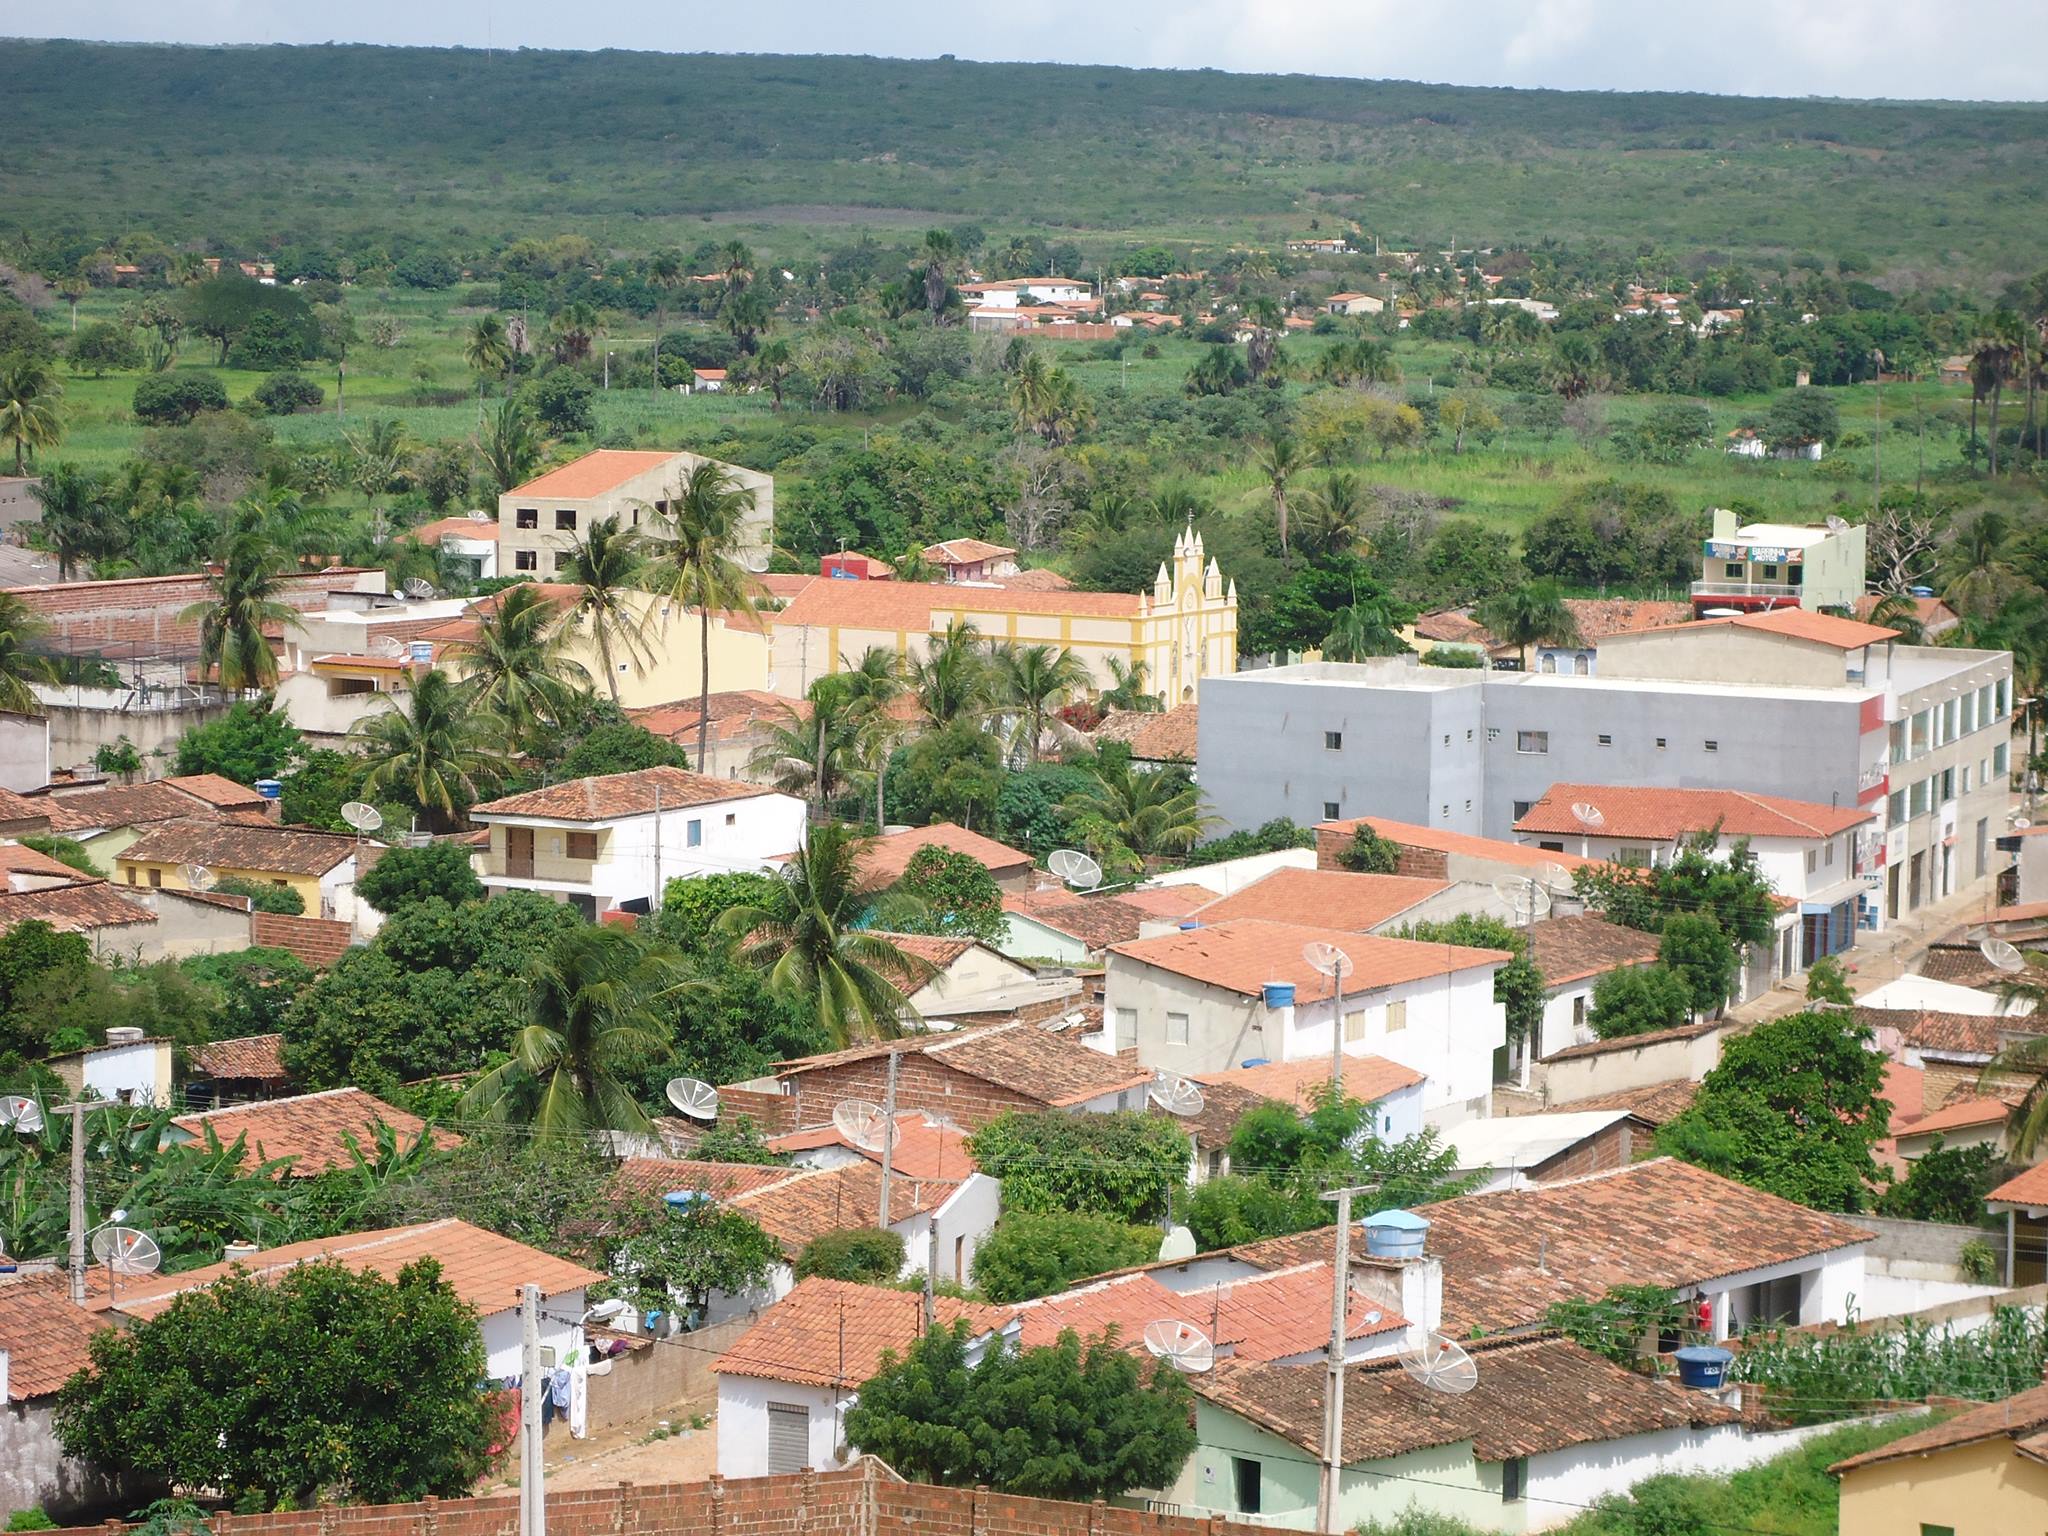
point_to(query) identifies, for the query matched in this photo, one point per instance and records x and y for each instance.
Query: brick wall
(318, 941)
(1614, 1147)
(1333, 838)
(921, 1083)
(144, 612)
(772, 1113)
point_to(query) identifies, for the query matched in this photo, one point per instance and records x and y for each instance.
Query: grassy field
(258, 146)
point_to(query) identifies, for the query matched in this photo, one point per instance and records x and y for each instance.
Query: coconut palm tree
(1032, 683)
(935, 263)
(487, 352)
(592, 1019)
(813, 953)
(1127, 690)
(951, 679)
(1533, 614)
(29, 392)
(810, 753)
(665, 274)
(242, 604)
(607, 562)
(1126, 816)
(572, 331)
(1993, 358)
(1900, 611)
(516, 668)
(1333, 516)
(22, 630)
(1981, 576)
(511, 445)
(771, 369)
(1369, 627)
(1280, 458)
(75, 521)
(698, 564)
(431, 750)
(875, 683)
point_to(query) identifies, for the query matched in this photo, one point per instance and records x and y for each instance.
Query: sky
(1956, 49)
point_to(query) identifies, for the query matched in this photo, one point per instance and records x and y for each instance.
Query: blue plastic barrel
(1702, 1366)
(1279, 994)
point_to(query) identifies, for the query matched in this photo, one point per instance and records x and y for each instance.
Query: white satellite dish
(364, 818)
(1837, 523)
(1526, 899)
(2020, 823)
(1075, 868)
(694, 1097)
(1326, 959)
(863, 1124)
(1589, 815)
(1177, 1246)
(198, 877)
(1182, 1345)
(1175, 1094)
(1555, 877)
(2002, 955)
(1439, 1364)
(21, 1115)
(417, 587)
(755, 560)
(126, 1251)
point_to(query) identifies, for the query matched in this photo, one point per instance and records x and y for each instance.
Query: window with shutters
(789, 1438)
(583, 845)
(1397, 1019)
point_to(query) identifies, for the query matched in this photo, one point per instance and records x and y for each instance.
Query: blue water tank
(1279, 994)
(1256, 1061)
(1189, 926)
(269, 789)
(1921, 591)
(1702, 1366)
(1395, 1234)
(683, 1199)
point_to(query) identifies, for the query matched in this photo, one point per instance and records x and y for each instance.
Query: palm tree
(1333, 517)
(511, 445)
(607, 562)
(487, 352)
(1127, 815)
(517, 668)
(592, 1019)
(1992, 358)
(29, 393)
(1032, 682)
(934, 263)
(808, 943)
(665, 274)
(1369, 627)
(1982, 576)
(75, 522)
(1900, 611)
(21, 630)
(1047, 401)
(771, 369)
(1279, 459)
(810, 756)
(1127, 690)
(698, 565)
(572, 330)
(378, 456)
(951, 679)
(875, 683)
(1534, 614)
(242, 603)
(432, 750)
(1572, 369)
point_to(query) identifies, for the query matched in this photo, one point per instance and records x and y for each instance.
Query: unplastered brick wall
(148, 611)
(1419, 863)
(921, 1083)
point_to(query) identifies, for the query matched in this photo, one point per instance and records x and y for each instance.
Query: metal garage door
(789, 1438)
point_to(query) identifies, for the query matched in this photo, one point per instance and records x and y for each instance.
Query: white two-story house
(612, 842)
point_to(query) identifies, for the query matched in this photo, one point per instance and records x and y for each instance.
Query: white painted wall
(138, 1073)
(1029, 939)
(502, 1332)
(963, 1222)
(1233, 875)
(743, 1422)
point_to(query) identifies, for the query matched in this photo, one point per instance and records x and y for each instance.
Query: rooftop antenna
(1175, 1094)
(22, 1115)
(1439, 1364)
(2002, 955)
(1181, 1345)
(1080, 872)
(417, 587)
(1330, 961)
(693, 1096)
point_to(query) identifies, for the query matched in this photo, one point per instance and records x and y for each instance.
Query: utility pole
(931, 1269)
(654, 904)
(1333, 1388)
(74, 1261)
(532, 1492)
(1337, 1034)
(1877, 436)
(888, 1136)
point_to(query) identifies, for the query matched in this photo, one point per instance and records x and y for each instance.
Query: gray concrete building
(1791, 703)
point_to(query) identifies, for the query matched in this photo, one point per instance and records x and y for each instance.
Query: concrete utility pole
(532, 1473)
(654, 903)
(74, 1262)
(888, 1138)
(1333, 1388)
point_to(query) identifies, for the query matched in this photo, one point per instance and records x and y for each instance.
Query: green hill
(247, 146)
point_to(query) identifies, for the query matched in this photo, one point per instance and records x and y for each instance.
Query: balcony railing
(1745, 589)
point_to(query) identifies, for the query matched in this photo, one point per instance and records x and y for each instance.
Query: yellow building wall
(669, 665)
(171, 877)
(551, 859)
(1977, 1490)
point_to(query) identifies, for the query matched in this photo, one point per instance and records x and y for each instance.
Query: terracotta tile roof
(1452, 626)
(253, 1058)
(1962, 964)
(785, 584)
(1326, 898)
(654, 1177)
(599, 471)
(46, 1336)
(924, 606)
(1441, 840)
(1154, 737)
(309, 1128)
(734, 713)
(1244, 954)
(1038, 580)
(220, 792)
(1534, 1395)
(1818, 628)
(965, 552)
(2028, 1188)
(1568, 949)
(81, 907)
(2019, 1417)
(1964, 1112)
(1093, 921)
(1905, 1089)
(925, 1147)
(1366, 1078)
(811, 1202)
(884, 859)
(1945, 1034)
(29, 814)
(458, 527)
(1664, 815)
(240, 845)
(934, 950)
(1633, 1042)
(607, 797)
(481, 1267)
(121, 805)
(1656, 1103)
(1021, 1057)
(1599, 617)
(1167, 902)
(832, 1333)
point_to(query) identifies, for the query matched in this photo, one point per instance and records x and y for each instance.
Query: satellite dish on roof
(863, 1124)
(417, 587)
(1589, 815)
(2002, 955)
(198, 877)
(1075, 868)
(1182, 1345)
(2020, 823)
(693, 1096)
(1554, 877)
(364, 818)
(126, 1251)
(1175, 1094)
(1439, 1364)
(1526, 899)
(1177, 1246)
(1837, 523)
(755, 560)
(1326, 959)
(19, 1114)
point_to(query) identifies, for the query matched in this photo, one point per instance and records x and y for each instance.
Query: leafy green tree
(1799, 418)
(1794, 1108)
(320, 1380)
(1945, 1183)
(1695, 950)
(251, 988)
(562, 401)
(691, 908)
(172, 399)
(736, 1141)
(952, 774)
(689, 1255)
(511, 444)
(864, 1255)
(1063, 1422)
(1518, 985)
(1621, 1322)
(1121, 1166)
(228, 307)
(76, 522)
(1733, 889)
(103, 347)
(314, 792)
(431, 751)
(1236, 1208)
(64, 850)
(1827, 982)
(263, 896)
(1268, 837)
(1369, 854)
(1036, 1253)
(402, 876)
(1637, 1000)
(286, 394)
(955, 894)
(251, 741)
(620, 746)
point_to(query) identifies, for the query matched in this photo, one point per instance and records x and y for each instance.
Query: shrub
(1369, 854)
(264, 896)
(561, 400)
(286, 394)
(866, 1255)
(1978, 1261)
(1035, 1253)
(1118, 1165)
(172, 399)
(403, 876)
